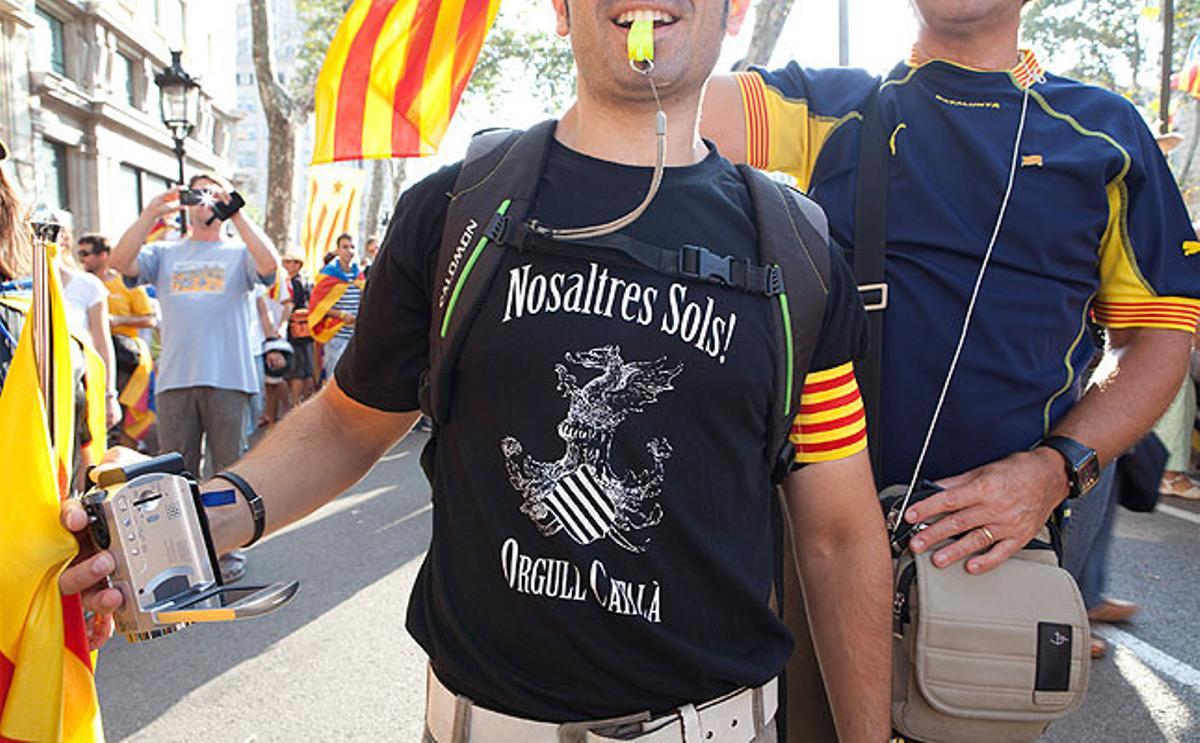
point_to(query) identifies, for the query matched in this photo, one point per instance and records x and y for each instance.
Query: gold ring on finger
(988, 534)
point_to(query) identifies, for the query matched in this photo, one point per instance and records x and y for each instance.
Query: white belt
(734, 718)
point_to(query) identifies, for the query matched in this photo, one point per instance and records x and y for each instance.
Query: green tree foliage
(1116, 44)
(320, 19)
(520, 53)
(1109, 43)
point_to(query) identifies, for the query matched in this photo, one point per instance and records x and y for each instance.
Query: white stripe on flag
(588, 497)
(573, 521)
(581, 506)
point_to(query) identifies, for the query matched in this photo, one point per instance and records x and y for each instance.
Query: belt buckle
(576, 732)
(879, 304)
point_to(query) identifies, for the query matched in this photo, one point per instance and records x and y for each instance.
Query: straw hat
(1168, 141)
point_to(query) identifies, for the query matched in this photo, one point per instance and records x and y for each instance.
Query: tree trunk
(380, 170)
(389, 193)
(769, 17)
(1189, 159)
(399, 173)
(281, 178)
(284, 118)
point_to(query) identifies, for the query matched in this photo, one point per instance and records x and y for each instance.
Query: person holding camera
(627, 591)
(204, 283)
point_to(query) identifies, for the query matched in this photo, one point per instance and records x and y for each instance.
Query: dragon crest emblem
(579, 493)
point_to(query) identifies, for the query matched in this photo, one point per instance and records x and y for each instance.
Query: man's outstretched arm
(310, 457)
(845, 568)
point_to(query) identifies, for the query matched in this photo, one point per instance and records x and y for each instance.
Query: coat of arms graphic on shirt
(580, 493)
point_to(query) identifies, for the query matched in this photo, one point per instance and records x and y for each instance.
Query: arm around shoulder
(722, 118)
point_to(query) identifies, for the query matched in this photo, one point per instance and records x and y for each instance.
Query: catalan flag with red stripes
(47, 691)
(832, 422)
(394, 74)
(1188, 79)
(159, 232)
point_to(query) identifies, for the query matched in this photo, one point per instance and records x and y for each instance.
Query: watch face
(1088, 472)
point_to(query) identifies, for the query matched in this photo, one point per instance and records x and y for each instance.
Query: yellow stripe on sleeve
(782, 133)
(1126, 299)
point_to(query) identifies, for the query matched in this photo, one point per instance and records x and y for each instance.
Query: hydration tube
(640, 44)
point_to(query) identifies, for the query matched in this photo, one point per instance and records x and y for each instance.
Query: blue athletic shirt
(1095, 224)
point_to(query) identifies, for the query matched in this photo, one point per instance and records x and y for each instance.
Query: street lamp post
(180, 109)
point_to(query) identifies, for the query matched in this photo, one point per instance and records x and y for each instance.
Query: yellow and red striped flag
(47, 691)
(394, 74)
(334, 198)
(160, 231)
(1188, 79)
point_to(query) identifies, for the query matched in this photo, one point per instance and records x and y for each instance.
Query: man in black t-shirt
(299, 374)
(603, 536)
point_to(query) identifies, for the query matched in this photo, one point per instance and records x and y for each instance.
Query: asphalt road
(336, 664)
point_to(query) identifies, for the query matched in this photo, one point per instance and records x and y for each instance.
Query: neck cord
(660, 128)
(962, 337)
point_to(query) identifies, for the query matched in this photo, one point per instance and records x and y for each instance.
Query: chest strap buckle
(874, 296)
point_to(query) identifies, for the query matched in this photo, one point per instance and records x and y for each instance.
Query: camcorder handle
(169, 464)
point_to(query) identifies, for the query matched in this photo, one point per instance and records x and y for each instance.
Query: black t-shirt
(602, 538)
(300, 294)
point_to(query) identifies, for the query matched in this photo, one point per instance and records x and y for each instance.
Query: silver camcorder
(151, 518)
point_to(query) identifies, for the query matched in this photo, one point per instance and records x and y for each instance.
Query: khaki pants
(187, 414)
(768, 735)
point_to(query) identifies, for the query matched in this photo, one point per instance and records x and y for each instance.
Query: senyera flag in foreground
(394, 74)
(1188, 79)
(47, 692)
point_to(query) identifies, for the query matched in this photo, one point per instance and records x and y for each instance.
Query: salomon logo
(456, 261)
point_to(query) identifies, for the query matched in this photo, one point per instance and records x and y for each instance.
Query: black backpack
(488, 213)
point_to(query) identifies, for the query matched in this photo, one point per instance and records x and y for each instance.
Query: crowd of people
(645, 560)
(203, 333)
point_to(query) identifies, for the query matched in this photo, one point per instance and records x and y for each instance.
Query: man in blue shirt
(1094, 227)
(203, 282)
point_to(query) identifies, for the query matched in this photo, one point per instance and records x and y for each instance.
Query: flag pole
(1164, 96)
(45, 229)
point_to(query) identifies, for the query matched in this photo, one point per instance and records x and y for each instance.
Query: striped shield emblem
(581, 506)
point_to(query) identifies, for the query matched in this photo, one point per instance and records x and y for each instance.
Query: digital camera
(150, 517)
(191, 196)
(891, 499)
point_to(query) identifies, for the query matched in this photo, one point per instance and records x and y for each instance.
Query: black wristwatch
(1083, 469)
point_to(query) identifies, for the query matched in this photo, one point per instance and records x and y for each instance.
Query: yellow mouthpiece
(641, 41)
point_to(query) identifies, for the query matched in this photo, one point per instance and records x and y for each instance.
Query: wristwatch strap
(257, 511)
(1080, 461)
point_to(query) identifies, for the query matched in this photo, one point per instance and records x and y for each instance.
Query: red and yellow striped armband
(1169, 313)
(832, 423)
(757, 117)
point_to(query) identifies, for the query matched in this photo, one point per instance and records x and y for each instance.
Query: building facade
(79, 109)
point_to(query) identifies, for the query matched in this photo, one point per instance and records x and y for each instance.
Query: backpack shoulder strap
(794, 235)
(498, 178)
(870, 247)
